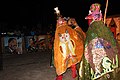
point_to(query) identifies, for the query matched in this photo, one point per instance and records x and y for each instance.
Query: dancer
(100, 46)
(68, 47)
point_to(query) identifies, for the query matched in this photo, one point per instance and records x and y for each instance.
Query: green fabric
(98, 29)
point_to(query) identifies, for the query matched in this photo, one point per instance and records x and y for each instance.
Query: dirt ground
(32, 66)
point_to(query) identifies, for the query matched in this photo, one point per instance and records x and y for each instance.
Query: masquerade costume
(68, 47)
(101, 52)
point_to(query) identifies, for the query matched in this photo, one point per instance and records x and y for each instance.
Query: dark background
(16, 14)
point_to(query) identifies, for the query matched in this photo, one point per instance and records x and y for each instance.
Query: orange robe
(65, 56)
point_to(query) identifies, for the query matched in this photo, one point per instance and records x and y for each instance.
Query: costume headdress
(60, 19)
(95, 6)
(94, 13)
(57, 11)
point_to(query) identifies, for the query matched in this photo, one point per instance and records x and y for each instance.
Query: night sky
(31, 13)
